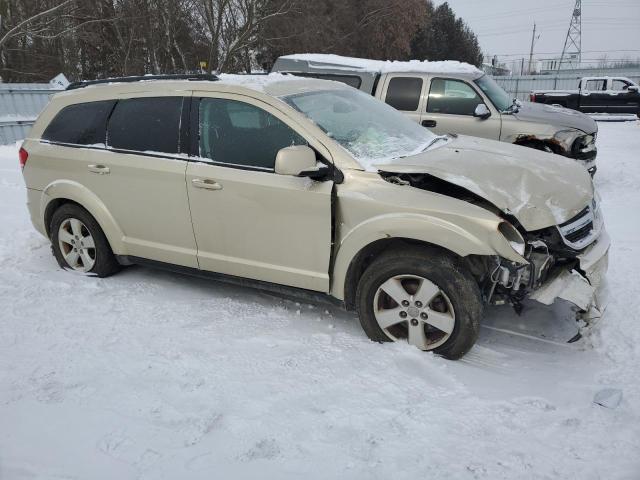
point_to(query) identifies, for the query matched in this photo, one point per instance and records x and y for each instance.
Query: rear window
(146, 124)
(81, 124)
(351, 80)
(403, 93)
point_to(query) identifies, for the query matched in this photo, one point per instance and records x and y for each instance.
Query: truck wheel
(78, 242)
(421, 296)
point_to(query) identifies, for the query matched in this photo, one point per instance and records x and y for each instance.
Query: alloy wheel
(414, 308)
(77, 245)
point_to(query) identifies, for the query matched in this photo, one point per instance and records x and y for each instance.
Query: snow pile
(318, 60)
(152, 374)
(257, 82)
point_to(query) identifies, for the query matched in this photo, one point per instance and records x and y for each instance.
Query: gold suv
(312, 187)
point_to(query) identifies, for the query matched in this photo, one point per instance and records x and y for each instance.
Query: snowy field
(151, 374)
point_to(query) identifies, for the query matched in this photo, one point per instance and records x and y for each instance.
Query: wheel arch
(375, 236)
(540, 144)
(62, 192)
(374, 250)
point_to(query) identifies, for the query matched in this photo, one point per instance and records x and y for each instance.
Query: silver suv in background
(454, 97)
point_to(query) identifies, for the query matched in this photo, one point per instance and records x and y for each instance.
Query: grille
(579, 234)
(579, 231)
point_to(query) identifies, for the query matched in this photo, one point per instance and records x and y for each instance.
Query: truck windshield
(372, 131)
(500, 99)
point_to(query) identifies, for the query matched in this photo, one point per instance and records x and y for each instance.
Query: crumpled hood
(540, 189)
(557, 116)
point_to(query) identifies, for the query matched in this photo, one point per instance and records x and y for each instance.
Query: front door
(621, 100)
(450, 108)
(249, 221)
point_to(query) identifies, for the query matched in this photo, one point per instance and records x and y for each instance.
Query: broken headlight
(512, 235)
(584, 144)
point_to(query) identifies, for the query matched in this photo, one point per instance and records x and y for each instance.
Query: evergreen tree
(445, 37)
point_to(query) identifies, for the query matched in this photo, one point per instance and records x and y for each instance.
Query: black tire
(442, 269)
(106, 263)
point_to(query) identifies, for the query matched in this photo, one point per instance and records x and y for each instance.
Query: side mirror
(481, 111)
(295, 160)
(632, 88)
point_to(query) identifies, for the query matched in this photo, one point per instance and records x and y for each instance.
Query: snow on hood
(384, 66)
(540, 189)
(558, 116)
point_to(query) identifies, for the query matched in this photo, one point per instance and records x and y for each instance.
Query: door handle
(206, 183)
(429, 123)
(99, 169)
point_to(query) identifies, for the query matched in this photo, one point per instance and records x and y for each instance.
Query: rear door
(249, 221)
(140, 178)
(594, 97)
(404, 92)
(450, 107)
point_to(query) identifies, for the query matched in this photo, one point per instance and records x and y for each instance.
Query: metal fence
(20, 105)
(519, 86)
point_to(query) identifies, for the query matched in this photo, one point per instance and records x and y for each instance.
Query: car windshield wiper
(433, 141)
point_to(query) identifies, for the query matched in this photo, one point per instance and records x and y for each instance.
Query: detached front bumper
(585, 287)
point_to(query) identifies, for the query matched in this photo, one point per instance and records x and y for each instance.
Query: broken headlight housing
(584, 145)
(512, 235)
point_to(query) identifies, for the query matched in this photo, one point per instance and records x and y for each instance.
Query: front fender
(70, 190)
(482, 239)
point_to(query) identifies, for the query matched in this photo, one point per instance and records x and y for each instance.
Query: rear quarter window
(80, 124)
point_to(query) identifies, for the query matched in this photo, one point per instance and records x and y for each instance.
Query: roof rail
(180, 76)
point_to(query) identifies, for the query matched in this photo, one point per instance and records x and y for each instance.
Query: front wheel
(424, 297)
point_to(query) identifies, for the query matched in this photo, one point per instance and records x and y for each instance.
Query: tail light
(23, 155)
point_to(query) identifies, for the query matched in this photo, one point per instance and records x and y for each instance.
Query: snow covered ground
(151, 374)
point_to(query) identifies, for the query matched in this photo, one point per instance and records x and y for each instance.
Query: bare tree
(232, 29)
(29, 25)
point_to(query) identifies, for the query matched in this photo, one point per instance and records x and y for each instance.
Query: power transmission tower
(573, 42)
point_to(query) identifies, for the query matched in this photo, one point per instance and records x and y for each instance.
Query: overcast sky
(504, 26)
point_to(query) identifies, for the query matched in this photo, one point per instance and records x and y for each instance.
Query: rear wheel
(79, 243)
(424, 297)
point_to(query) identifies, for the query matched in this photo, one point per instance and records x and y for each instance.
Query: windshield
(500, 99)
(372, 131)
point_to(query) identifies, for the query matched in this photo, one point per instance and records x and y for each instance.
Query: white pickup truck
(595, 95)
(453, 97)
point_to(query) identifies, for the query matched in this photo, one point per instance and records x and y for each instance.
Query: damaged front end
(567, 261)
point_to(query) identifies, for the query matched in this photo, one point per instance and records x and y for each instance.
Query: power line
(558, 52)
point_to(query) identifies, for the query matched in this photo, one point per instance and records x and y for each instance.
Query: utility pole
(533, 39)
(573, 41)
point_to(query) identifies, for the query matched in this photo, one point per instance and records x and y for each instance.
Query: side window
(81, 124)
(619, 85)
(595, 85)
(453, 97)
(403, 93)
(240, 134)
(146, 124)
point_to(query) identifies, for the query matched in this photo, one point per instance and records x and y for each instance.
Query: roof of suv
(273, 84)
(322, 61)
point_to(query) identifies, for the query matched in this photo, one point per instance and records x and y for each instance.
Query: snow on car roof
(384, 66)
(278, 84)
